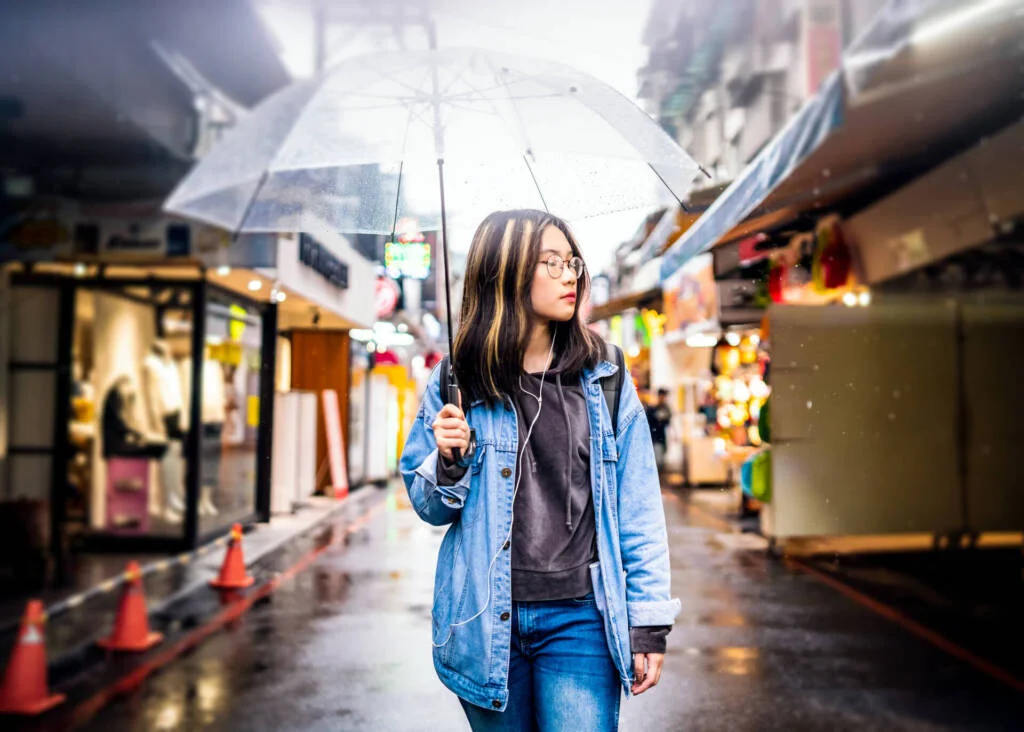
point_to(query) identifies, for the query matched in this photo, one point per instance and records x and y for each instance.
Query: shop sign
(318, 258)
(34, 232)
(407, 259)
(133, 239)
(823, 42)
(691, 296)
(386, 297)
(409, 255)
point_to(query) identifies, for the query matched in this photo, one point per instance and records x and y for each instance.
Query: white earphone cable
(519, 476)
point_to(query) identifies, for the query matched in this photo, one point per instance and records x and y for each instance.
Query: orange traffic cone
(131, 627)
(232, 573)
(24, 689)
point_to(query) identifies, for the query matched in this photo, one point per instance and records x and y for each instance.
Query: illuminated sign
(407, 259)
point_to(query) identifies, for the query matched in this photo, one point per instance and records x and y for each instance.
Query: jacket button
(505, 616)
(506, 545)
(506, 472)
(496, 704)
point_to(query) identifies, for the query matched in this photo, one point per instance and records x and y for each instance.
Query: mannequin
(163, 410)
(127, 453)
(212, 416)
(121, 437)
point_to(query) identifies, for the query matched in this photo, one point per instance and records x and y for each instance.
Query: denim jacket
(473, 585)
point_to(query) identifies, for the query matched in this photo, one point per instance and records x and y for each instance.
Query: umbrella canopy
(358, 147)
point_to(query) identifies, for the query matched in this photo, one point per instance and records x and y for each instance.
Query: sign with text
(318, 258)
(335, 443)
(407, 259)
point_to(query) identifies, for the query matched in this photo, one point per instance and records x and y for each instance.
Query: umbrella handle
(453, 398)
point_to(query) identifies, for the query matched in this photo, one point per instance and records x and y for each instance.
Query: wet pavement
(340, 640)
(84, 609)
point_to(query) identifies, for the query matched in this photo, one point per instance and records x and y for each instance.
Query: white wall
(34, 315)
(863, 419)
(356, 303)
(993, 348)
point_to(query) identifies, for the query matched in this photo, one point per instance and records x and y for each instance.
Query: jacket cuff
(649, 638)
(658, 612)
(453, 496)
(449, 473)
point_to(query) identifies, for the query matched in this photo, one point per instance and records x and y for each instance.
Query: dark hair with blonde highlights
(497, 315)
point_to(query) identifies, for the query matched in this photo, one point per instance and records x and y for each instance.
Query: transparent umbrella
(432, 135)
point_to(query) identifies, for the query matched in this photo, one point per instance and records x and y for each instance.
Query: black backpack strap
(446, 365)
(611, 385)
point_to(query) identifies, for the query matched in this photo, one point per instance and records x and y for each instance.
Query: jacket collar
(602, 369)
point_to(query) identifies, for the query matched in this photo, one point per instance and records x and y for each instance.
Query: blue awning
(804, 133)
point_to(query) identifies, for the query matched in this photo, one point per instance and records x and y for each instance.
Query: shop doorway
(109, 449)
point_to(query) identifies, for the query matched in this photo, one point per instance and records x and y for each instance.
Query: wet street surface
(338, 638)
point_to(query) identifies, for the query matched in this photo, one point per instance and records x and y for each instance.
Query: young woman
(551, 594)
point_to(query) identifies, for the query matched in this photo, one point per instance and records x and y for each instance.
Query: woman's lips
(571, 297)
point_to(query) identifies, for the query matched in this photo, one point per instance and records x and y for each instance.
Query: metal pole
(320, 36)
(444, 249)
(439, 150)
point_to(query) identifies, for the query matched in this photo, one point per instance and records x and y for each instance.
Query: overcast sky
(601, 37)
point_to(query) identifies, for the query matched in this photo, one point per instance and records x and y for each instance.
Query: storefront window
(127, 467)
(230, 412)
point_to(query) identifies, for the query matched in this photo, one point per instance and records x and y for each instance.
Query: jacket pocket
(475, 498)
(445, 580)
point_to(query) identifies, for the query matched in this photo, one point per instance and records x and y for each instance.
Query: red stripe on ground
(89, 708)
(912, 626)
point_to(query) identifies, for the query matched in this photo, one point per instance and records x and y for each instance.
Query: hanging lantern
(748, 351)
(835, 259)
(777, 281)
(823, 240)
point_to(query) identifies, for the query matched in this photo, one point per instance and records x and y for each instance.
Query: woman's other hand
(451, 431)
(647, 671)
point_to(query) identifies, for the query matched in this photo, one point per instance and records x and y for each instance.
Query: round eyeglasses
(556, 265)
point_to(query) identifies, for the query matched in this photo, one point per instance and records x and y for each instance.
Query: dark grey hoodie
(553, 531)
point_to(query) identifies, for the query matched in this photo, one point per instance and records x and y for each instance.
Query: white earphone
(539, 397)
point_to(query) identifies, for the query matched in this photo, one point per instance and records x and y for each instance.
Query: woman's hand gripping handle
(451, 430)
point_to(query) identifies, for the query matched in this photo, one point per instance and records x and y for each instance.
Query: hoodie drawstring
(568, 462)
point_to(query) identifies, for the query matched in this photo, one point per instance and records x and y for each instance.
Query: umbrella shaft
(444, 249)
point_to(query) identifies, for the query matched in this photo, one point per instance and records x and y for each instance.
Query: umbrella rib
(401, 168)
(458, 76)
(399, 81)
(528, 153)
(504, 85)
(665, 183)
(649, 164)
(398, 195)
(540, 193)
(484, 95)
(249, 205)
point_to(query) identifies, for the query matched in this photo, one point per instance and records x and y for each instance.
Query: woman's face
(554, 297)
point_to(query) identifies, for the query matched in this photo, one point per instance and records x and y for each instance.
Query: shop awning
(618, 305)
(928, 78)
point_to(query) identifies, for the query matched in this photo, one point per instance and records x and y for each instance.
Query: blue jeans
(560, 676)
